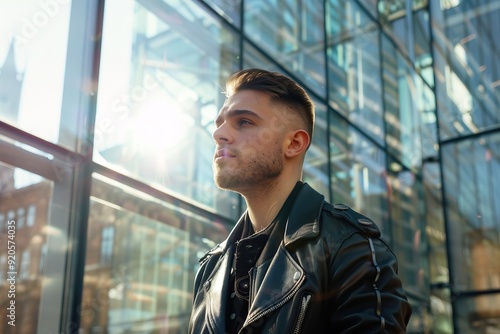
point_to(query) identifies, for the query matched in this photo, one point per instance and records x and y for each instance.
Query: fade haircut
(282, 89)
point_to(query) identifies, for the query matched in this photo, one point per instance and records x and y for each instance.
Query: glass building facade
(106, 113)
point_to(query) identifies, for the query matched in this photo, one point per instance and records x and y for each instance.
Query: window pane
(316, 162)
(466, 66)
(292, 32)
(33, 45)
(354, 67)
(478, 315)
(229, 9)
(145, 283)
(403, 122)
(408, 228)
(21, 250)
(473, 210)
(358, 172)
(163, 67)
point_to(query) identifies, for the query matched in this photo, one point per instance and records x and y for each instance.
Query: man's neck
(265, 202)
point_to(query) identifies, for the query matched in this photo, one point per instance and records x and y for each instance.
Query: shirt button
(232, 316)
(243, 286)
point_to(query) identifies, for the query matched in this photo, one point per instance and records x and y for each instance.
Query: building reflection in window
(163, 66)
(141, 258)
(29, 237)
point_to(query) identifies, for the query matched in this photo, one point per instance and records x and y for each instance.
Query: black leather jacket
(331, 274)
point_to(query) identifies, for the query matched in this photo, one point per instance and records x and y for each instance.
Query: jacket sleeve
(366, 293)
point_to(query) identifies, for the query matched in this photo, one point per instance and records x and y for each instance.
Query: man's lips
(223, 153)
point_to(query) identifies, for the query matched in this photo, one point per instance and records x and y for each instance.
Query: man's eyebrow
(235, 113)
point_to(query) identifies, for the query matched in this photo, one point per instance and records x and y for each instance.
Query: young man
(293, 263)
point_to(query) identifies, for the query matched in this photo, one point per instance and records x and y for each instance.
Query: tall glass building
(106, 113)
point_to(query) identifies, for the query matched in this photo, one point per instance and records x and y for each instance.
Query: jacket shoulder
(360, 222)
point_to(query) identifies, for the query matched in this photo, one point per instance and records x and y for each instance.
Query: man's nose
(222, 134)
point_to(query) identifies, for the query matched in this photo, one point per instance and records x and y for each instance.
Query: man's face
(249, 136)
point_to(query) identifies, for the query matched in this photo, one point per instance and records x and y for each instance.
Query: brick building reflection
(29, 208)
(485, 275)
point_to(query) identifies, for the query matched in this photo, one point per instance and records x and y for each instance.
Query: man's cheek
(249, 153)
(265, 136)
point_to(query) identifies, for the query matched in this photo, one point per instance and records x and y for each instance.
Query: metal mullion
(93, 16)
(327, 94)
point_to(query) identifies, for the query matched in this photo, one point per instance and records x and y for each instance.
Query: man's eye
(244, 121)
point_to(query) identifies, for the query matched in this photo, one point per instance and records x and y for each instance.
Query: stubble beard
(256, 170)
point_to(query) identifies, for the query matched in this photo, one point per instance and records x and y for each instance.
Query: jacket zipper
(303, 309)
(276, 306)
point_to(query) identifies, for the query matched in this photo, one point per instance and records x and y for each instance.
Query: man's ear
(297, 143)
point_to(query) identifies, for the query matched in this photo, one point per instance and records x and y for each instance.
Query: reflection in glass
(358, 174)
(408, 228)
(229, 9)
(480, 314)
(33, 44)
(354, 67)
(291, 31)
(473, 199)
(162, 71)
(403, 122)
(466, 65)
(22, 259)
(315, 170)
(141, 258)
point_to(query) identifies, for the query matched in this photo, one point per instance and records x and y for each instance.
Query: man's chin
(226, 182)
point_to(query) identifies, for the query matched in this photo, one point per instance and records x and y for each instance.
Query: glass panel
(408, 228)
(466, 66)
(316, 162)
(440, 302)
(292, 32)
(253, 58)
(229, 9)
(425, 107)
(435, 229)
(423, 52)
(141, 258)
(369, 5)
(473, 198)
(441, 310)
(355, 87)
(478, 315)
(401, 117)
(358, 174)
(163, 67)
(392, 10)
(33, 44)
(22, 282)
(421, 318)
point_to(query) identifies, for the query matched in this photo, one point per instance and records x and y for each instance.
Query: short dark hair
(281, 88)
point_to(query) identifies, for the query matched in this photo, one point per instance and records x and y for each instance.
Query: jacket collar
(303, 221)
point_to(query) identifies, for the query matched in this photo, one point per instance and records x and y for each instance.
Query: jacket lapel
(276, 281)
(216, 293)
(303, 221)
(216, 286)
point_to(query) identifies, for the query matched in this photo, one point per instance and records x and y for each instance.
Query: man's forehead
(247, 96)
